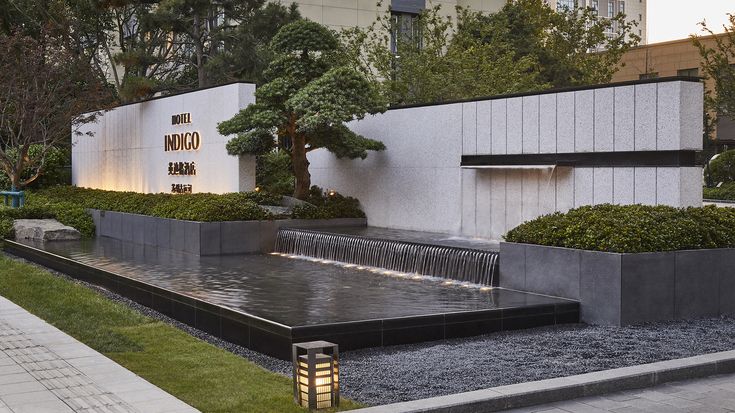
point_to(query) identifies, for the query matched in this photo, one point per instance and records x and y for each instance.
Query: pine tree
(311, 90)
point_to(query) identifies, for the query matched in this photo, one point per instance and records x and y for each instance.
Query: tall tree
(440, 60)
(718, 53)
(573, 47)
(203, 25)
(525, 46)
(245, 54)
(41, 101)
(309, 94)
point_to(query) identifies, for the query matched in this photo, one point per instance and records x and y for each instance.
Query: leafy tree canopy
(311, 89)
(717, 57)
(525, 46)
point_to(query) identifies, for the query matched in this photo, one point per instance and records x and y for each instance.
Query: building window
(595, 7)
(688, 72)
(621, 7)
(650, 75)
(405, 29)
(610, 8)
(566, 5)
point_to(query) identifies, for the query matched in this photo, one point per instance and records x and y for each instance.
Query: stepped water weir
(455, 263)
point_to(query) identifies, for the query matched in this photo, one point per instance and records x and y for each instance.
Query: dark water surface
(286, 290)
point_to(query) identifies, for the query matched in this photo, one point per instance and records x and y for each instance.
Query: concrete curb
(566, 388)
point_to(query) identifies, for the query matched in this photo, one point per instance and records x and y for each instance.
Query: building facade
(339, 14)
(634, 10)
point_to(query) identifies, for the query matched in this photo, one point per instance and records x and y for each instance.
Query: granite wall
(417, 183)
(126, 150)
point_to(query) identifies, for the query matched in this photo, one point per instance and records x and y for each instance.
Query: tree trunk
(199, 40)
(300, 167)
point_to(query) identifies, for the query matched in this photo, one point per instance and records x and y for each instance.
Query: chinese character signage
(186, 141)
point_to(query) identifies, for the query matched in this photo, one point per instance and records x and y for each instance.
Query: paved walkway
(43, 370)
(709, 395)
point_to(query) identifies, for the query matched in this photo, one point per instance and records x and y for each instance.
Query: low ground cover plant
(326, 205)
(631, 228)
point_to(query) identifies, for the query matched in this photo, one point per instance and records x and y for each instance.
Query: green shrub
(69, 201)
(722, 168)
(56, 170)
(631, 228)
(725, 192)
(327, 206)
(274, 173)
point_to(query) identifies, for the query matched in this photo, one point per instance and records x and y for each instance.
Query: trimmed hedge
(195, 207)
(68, 205)
(631, 228)
(725, 192)
(327, 206)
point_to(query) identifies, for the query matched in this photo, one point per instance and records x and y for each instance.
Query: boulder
(44, 230)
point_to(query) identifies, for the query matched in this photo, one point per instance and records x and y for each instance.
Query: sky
(677, 19)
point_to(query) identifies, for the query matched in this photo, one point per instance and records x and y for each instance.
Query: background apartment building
(338, 14)
(634, 10)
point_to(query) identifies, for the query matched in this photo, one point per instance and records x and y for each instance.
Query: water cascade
(460, 264)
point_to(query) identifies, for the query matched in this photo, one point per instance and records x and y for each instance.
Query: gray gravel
(409, 372)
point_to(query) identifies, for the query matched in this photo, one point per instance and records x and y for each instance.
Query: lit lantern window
(316, 374)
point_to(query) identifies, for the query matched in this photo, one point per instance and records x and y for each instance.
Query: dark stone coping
(408, 237)
(275, 339)
(203, 238)
(682, 158)
(557, 90)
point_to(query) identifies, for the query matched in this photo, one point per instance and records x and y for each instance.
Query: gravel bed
(409, 372)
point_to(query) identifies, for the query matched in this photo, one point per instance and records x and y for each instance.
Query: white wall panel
(547, 123)
(623, 186)
(484, 127)
(515, 125)
(499, 126)
(603, 186)
(604, 120)
(624, 114)
(565, 122)
(668, 116)
(645, 185)
(645, 117)
(127, 152)
(531, 124)
(584, 115)
(469, 128)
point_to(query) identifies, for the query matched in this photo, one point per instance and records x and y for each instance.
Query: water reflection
(288, 291)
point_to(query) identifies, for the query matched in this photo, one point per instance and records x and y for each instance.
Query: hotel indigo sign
(186, 141)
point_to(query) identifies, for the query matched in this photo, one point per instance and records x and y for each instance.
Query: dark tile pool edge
(275, 339)
(243, 329)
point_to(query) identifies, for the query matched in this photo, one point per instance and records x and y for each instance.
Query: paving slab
(43, 370)
(697, 395)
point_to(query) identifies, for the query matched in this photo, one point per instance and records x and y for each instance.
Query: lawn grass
(200, 374)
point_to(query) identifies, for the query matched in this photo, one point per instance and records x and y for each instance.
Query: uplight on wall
(316, 374)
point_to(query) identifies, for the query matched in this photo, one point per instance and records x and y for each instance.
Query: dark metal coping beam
(602, 159)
